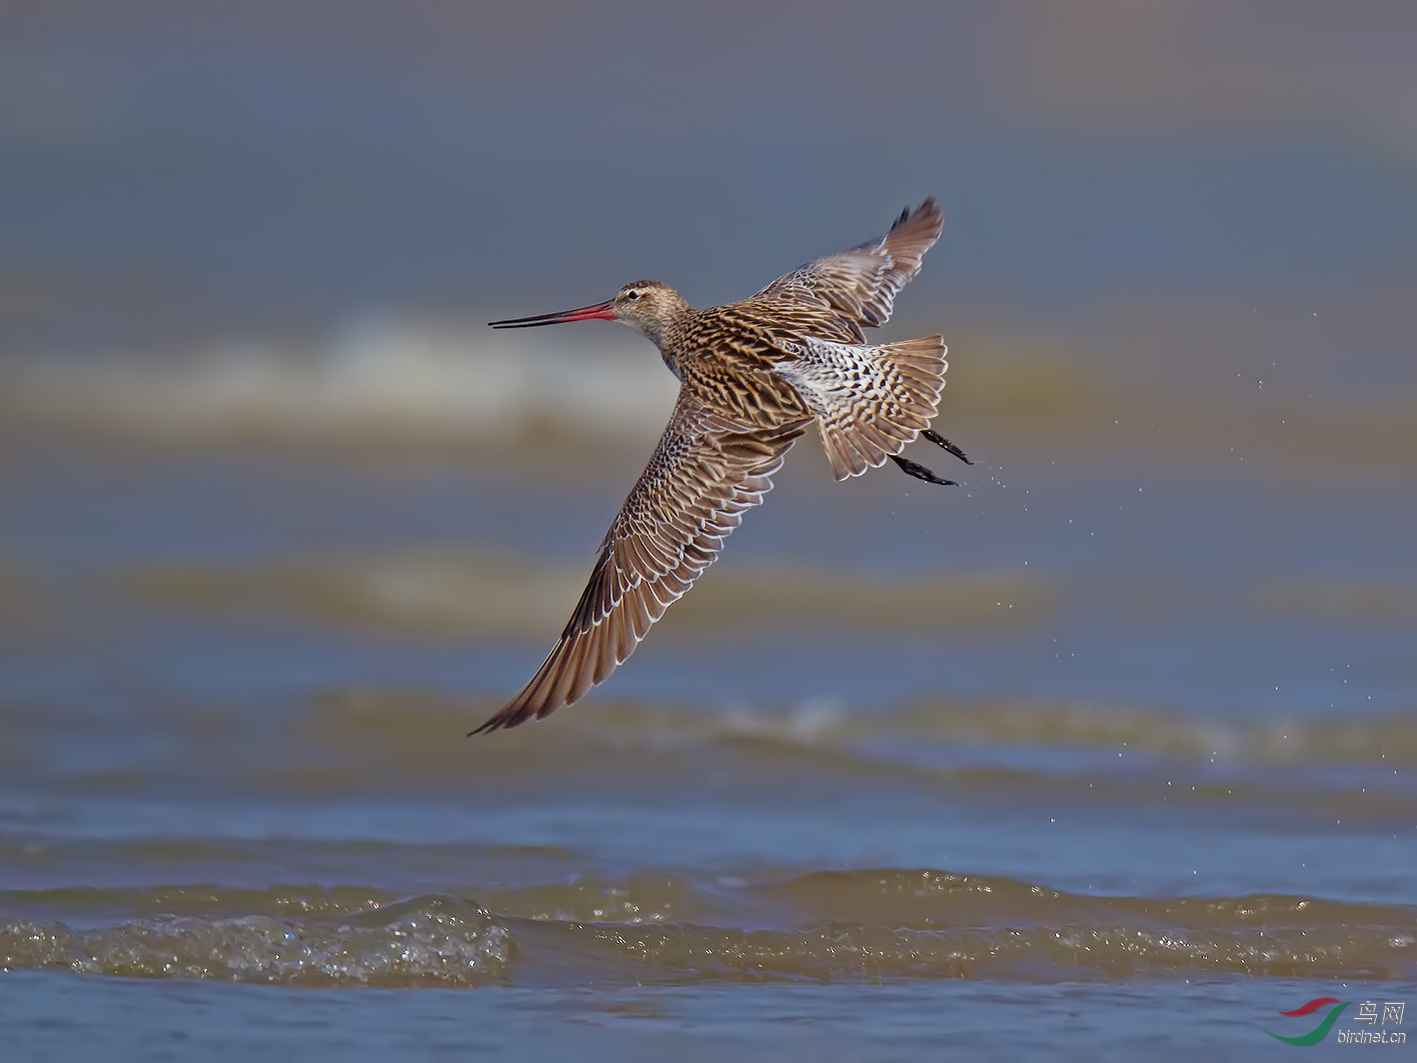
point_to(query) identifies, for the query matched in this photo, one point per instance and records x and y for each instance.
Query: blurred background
(280, 519)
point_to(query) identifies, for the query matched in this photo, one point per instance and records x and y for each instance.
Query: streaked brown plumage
(754, 376)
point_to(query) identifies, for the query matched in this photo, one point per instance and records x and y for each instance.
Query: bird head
(647, 306)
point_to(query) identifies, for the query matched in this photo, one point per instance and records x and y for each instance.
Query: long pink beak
(600, 311)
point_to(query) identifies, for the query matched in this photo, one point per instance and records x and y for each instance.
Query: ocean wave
(406, 378)
(456, 594)
(388, 720)
(869, 924)
(428, 940)
(1063, 953)
(380, 376)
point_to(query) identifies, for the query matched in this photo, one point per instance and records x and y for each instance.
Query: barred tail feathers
(870, 401)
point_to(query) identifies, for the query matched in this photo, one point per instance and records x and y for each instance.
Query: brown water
(898, 739)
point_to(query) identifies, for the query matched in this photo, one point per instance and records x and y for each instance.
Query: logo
(1367, 1014)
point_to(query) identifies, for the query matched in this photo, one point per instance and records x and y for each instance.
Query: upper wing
(705, 472)
(863, 282)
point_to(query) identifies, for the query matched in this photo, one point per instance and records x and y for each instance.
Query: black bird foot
(940, 441)
(918, 471)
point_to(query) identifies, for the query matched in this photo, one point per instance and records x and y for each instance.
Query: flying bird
(754, 376)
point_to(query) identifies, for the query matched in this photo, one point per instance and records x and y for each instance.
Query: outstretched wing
(705, 472)
(862, 283)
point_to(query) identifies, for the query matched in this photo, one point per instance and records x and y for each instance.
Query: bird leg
(941, 441)
(911, 468)
(918, 471)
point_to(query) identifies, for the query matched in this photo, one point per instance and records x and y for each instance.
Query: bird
(754, 376)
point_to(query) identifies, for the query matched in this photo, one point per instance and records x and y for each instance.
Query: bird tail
(871, 401)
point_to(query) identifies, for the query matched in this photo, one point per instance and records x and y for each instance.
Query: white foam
(378, 375)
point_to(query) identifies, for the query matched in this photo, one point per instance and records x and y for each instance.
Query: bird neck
(667, 330)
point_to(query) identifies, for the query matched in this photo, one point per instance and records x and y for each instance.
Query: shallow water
(876, 776)
(1107, 753)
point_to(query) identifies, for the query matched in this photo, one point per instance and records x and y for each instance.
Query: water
(916, 767)
(1107, 753)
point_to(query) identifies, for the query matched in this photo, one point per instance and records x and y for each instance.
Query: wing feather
(705, 473)
(862, 282)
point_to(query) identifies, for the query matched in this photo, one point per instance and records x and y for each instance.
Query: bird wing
(705, 472)
(864, 281)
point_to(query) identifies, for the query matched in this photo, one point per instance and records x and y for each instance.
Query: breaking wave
(377, 377)
(870, 924)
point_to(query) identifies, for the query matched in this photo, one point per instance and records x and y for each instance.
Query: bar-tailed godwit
(754, 375)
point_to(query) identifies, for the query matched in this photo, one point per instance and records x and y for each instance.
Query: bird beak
(600, 311)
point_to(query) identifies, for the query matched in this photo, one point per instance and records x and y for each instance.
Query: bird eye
(632, 293)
